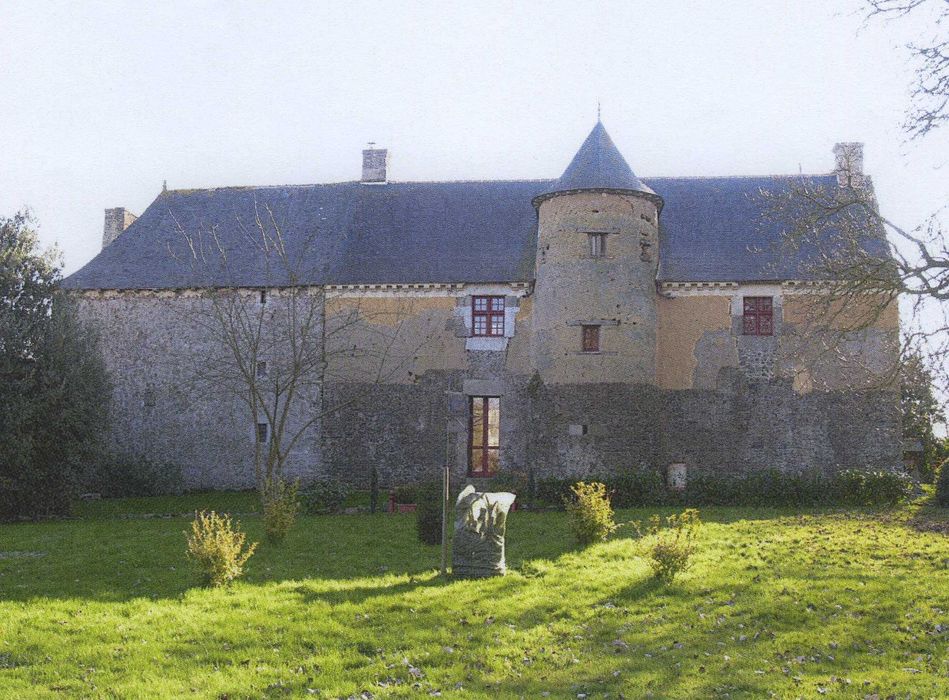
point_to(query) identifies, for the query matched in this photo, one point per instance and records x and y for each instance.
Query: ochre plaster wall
(682, 324)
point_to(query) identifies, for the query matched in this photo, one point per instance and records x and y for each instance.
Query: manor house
(588, 324)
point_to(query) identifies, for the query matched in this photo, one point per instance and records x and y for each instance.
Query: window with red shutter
(757, 316)
(487, 316)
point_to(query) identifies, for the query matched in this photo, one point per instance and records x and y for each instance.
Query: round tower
(594, 308)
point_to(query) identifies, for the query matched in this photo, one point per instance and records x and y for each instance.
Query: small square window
(263, 432)
(261, 369)
(757, 316)
(487, 316)
(597, 245)
(591, 338)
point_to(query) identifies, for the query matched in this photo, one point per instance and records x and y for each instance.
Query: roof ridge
(539, 180)
(189, 190)
(733, 177)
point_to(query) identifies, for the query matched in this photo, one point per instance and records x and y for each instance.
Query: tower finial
(164, 185)
(597, 110)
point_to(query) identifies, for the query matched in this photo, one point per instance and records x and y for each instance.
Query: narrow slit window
(261, 369)
(591, 338)
(484, 436)
(597, 245)
(263, 296)
(487, 316)
(757, 316)
(263, 432)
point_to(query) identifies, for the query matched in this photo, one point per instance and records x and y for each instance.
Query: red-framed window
(484, 436)
(487, 316)
(758, 316)
(590, 338)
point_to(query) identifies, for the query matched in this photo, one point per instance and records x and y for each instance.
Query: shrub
(127, 476)
(428, 514)
(636, 488)
(281, 502)
(590, 512)
(552, 492)
(217, 548)
(942, 484)
(670, 545)
(326, 496)
(885, 489)
(509, 481)
(373, 490)
(857, 487)
(406, 493)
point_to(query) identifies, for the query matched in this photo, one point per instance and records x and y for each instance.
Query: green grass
(777, 603)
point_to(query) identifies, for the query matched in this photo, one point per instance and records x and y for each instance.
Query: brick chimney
(849, 165)
(375, 164)
(116, 221)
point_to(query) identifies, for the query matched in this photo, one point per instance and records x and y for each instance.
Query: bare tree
(929, 108)
(275, 346)
(862, 264)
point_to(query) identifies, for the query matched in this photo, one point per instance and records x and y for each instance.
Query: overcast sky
(101, 102)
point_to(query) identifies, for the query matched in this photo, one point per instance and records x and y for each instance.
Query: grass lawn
(778, 604)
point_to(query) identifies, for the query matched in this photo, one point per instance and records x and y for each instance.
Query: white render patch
(491, 343)
(698, 289)
(676, 476)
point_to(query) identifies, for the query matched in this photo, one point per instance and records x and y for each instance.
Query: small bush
(217, 548)
(552, 492)
(510, 482)
(406, 493)
(590, 512)
(128, 476)
(858, 487)
(636, 488)
(323, 497)
(942, 484)
(281, 503)
(671, 544)
(373, 490)
(428, 514)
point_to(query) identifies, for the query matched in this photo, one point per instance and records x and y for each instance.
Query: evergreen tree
(53, 383)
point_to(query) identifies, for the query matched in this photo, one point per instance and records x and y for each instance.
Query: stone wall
(717, 401)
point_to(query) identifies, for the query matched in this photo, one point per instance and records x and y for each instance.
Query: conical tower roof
(598, 166)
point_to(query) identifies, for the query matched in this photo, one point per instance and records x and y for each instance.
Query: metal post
(446, 476)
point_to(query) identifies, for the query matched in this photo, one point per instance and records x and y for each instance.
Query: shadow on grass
(117, 560)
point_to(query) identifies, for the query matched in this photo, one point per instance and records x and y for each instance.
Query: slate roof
(715, 230)
(598, 165)
(711, 229)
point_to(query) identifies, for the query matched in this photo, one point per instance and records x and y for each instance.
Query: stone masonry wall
(720, 401)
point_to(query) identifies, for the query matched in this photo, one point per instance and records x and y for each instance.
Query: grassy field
(778, 604)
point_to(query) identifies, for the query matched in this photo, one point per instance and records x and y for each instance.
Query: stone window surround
(593, 322)
(737, 293)
(511, 296)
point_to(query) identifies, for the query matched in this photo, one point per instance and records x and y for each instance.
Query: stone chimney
(849, 165)
(375, 164)
(116, 221)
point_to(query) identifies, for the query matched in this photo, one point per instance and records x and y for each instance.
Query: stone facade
(602, 365)
(682, 385)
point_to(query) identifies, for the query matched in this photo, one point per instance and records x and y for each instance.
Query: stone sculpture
(480, 522)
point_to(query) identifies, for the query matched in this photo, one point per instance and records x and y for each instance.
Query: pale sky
(103, 101)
